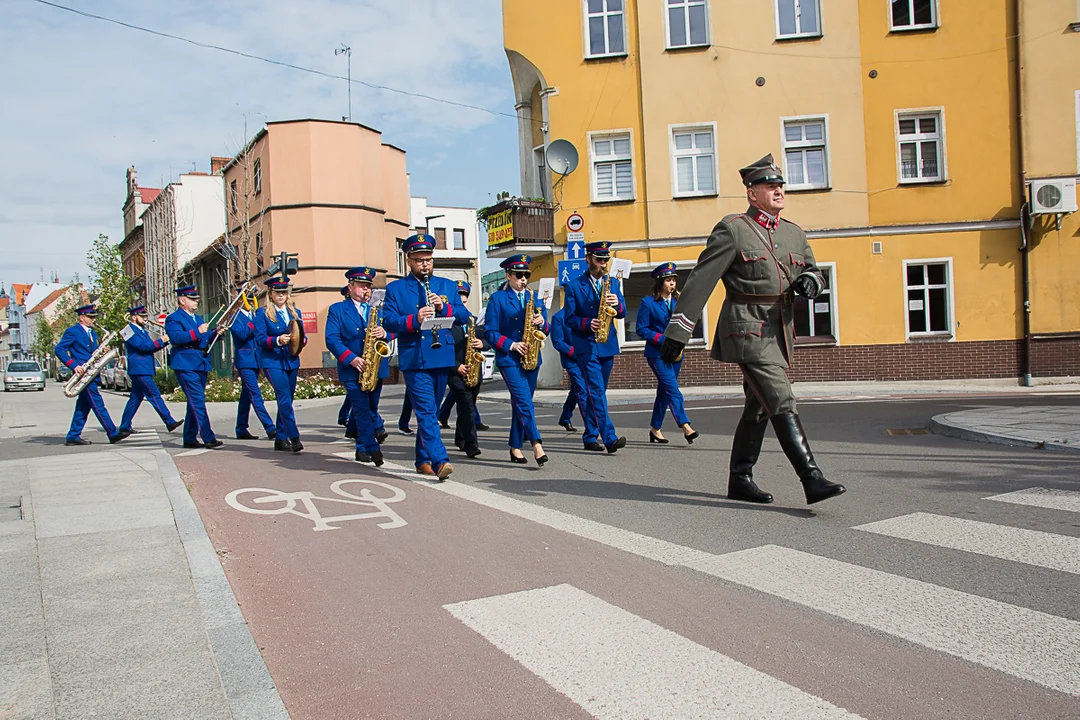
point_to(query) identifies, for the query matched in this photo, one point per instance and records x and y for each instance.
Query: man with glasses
(582, 317)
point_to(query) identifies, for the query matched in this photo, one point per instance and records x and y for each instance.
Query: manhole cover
(10, 509)
(908, 431)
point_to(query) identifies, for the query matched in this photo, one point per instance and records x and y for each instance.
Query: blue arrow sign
(570, 269)
(575, 250)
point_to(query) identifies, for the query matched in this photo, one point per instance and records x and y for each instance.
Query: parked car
(107, 374)
(120, 378)
(24, 375)
(63, 373)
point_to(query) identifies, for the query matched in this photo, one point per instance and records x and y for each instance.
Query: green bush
(166, 380)
(220, 389)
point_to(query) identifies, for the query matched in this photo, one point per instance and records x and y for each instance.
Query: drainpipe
(1025, 213)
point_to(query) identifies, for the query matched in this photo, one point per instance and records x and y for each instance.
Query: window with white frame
(688, 24)
(929, 306)
(256, 173)
(798, 18)
(912, 14)
(634, 289)
(920, 138)
(612, 167)
(459, 239)
(815, 320)
(806, 157)
(693, 158)
(604, 28)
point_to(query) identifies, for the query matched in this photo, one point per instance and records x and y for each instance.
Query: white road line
(1028, 644)
(1049, 498)
(192, 453)
(615, 664)
(1031, 547)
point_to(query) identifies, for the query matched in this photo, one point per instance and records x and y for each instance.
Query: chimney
(217, 164)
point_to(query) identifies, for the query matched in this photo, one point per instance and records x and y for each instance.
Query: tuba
(606, 313)
(474, 359)
(374, 350)
(533, 338)
(92, 367)
(228, 316)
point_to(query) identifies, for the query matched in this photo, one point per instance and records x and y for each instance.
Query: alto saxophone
(606, 313)
(101, 357)
(375, 349)
(531, 336)
(474, 359)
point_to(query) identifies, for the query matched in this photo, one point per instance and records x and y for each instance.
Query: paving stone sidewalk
(1041, 427)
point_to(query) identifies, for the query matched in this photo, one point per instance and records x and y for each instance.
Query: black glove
(670, 350)
(807, 286)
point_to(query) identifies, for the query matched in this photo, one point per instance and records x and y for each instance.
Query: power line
(270, 61)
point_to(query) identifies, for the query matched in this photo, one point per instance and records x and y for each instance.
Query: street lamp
(347, 52)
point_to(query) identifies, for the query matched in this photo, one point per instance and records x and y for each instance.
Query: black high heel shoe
(691, 437)
(542, 459)
(519, 460)
(654, 439)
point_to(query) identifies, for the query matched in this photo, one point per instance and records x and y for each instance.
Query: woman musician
(504, 326)
(277, 362)
(652, 318)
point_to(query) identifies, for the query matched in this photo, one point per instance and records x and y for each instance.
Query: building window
(459, 239)
(929, 303)
(815, 320)
(635, 288)
(912, 14)
(260, 251)
(440, 238)
(604, 28)
(693, 159)
(234, 198)
(798, 18)
(688, 24)
(612, 168)
(806, 154)
(256, 176)
(922, 157)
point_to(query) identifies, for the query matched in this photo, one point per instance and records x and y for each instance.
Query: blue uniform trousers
(196, 421)
(89, 400)
(667, 393)
(406, 412)
(424, 391)
(448, 406)
(143, 387)
(594, 376)
(522, 386)
(576, 397)
(343, 412)
(284, 382)
(251, 397)
(360, 416)
(373, 407)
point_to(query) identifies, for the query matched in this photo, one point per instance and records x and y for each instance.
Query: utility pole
(347, 52)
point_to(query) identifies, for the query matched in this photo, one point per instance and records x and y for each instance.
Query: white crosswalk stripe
(141, 439)
(1057, 552)
(618, 665)
(1051, 499)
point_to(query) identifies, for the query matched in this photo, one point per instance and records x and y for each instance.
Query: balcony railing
(518, 225)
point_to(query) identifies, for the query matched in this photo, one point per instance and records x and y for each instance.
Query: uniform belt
(745, 299)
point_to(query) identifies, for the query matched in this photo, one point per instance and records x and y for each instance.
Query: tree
(110, 284)
(44, 338)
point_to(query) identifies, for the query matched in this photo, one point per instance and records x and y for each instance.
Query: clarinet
(435, 344)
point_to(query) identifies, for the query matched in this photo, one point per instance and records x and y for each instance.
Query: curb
(249, 689)
(940, 426)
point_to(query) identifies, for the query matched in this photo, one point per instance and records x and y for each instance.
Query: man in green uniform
(762, 260)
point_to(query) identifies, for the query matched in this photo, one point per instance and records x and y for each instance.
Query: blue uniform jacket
(140, 351)
(580, 308)
(653, 317)
(187, 343)
(245, 354)
(504, 324)
(346, 332)
(267, 329)
(76, 346)
(560, 339)
(404, 298)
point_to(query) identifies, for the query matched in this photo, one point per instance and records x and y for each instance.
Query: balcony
(519, 226)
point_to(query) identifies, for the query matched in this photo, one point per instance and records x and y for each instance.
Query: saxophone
(606, 313)
(92, 367)
(531, 336)
(474, 359)
(375, 349)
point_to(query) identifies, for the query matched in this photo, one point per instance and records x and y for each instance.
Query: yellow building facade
(908, 131)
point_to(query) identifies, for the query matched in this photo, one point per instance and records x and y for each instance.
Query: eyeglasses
(422, 261)
(522, 275)
(600, 260)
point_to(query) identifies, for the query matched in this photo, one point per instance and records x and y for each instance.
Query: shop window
(815, 320)
(635, 288)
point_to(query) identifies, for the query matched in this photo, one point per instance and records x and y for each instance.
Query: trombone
(224, 319)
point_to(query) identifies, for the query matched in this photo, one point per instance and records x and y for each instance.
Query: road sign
(575, 223)
(161, 318)
(570, 269)
(575, 246)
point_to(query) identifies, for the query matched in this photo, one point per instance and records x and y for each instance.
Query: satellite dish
(562, 157)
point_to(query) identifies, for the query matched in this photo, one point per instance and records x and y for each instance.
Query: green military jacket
(757, 257)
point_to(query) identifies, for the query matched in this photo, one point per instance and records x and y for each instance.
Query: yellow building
(908, 133)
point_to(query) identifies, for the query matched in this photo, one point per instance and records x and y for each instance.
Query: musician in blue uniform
(75, 347)
(246, 362)
(458, 392)
(140, 348)
(189, 336)
(575, 398)
(347, 332)
(345, 413)
(280, 366)
(464, 290)
(505, 325)
(581, 315)
(409, 302)
(653, 316)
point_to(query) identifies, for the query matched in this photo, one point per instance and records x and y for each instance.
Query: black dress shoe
(215, 443)
(380, 437)
(362, 456)
(541, 460)
(245, 436)
(271, 434)
(295, 445)
(518, 460)
(595, 447)
(474, 452)
(405, 430)
(743, 487)
(282, 445)
(691, 437)
(174, 424)
(342, 423)
(120, 435)
(654, 439)
(194, 445)
(482, 426)
(377, 458)
(614, 447)
(444, 425)
(568, 427)
(76, 442)
(352, 434)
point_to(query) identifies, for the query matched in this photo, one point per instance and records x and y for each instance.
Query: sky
(81, 100)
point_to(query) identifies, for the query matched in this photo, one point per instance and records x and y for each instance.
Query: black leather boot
(745, 449)
(792, 439)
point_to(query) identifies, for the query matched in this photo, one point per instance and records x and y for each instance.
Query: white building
(181, 222)
(457, 242)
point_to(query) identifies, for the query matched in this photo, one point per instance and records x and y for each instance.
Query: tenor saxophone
(375, 349)
(606, 313)
(474, 359)
(531, 336)
(101, 357)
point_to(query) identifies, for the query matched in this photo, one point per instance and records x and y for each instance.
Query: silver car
(24, 375)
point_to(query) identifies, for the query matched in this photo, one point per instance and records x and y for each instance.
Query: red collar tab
(764, 219)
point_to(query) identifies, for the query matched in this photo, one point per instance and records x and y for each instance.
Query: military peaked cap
(764, 170)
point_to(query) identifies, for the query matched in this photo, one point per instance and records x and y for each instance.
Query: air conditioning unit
(1053, 196)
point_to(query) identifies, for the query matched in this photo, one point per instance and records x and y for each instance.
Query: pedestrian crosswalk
(140, 440)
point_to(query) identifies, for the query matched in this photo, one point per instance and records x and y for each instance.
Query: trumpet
(228, 315)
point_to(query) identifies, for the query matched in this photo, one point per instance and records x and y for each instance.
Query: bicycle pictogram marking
(276, 502)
